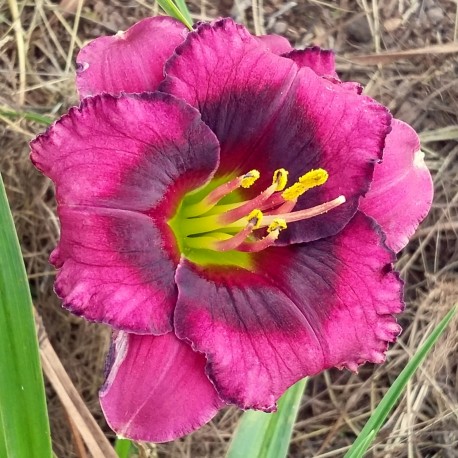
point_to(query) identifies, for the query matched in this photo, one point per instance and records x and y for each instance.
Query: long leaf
(3, 450)
(181, 4)
(375, 422)
(23, 414)
(172, 10)
(264, 435)
(97, 443)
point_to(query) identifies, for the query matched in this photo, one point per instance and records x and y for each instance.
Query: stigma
(254, 224)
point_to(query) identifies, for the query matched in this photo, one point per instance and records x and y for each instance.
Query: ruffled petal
(321, 61)
(156, 388)
(275, 43)
(305, 308)
(268, 114)
(130, 61)
(132, 153)
(402, 190)
(121, 166)
(115, 267)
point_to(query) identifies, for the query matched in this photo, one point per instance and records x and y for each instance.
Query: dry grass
(38, 42)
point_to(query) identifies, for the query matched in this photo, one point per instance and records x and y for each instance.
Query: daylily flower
(226, 219)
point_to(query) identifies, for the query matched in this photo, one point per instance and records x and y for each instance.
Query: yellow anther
(280, 178)
(255, 218)
(308, 181)
(314, 178)
(294, 191)
(249, 178)
(277, 224)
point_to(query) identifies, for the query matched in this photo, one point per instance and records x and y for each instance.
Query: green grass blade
(25, 428)
(28, 115)
(381, 412)
(181, 5)
(123, 448)
(3, 450)
(172, 10)
(167, 6)
(264, 435)
(364, 445)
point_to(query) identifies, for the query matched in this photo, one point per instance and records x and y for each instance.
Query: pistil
(305, 214)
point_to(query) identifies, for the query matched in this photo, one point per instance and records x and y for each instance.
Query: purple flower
(233, 221)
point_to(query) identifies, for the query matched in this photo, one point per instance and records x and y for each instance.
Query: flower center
(219, 220)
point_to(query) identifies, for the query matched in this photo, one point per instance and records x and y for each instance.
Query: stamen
(314, 178)
(210, 225)
(272, 202)
(278, 223)
(273, 231)
(244, 181)
(249, 178)
(279, 180)
(286, 207)
(308, 181)
(254, 220)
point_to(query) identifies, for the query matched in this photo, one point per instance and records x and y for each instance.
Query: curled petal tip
(419, 160)
(402, 189)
